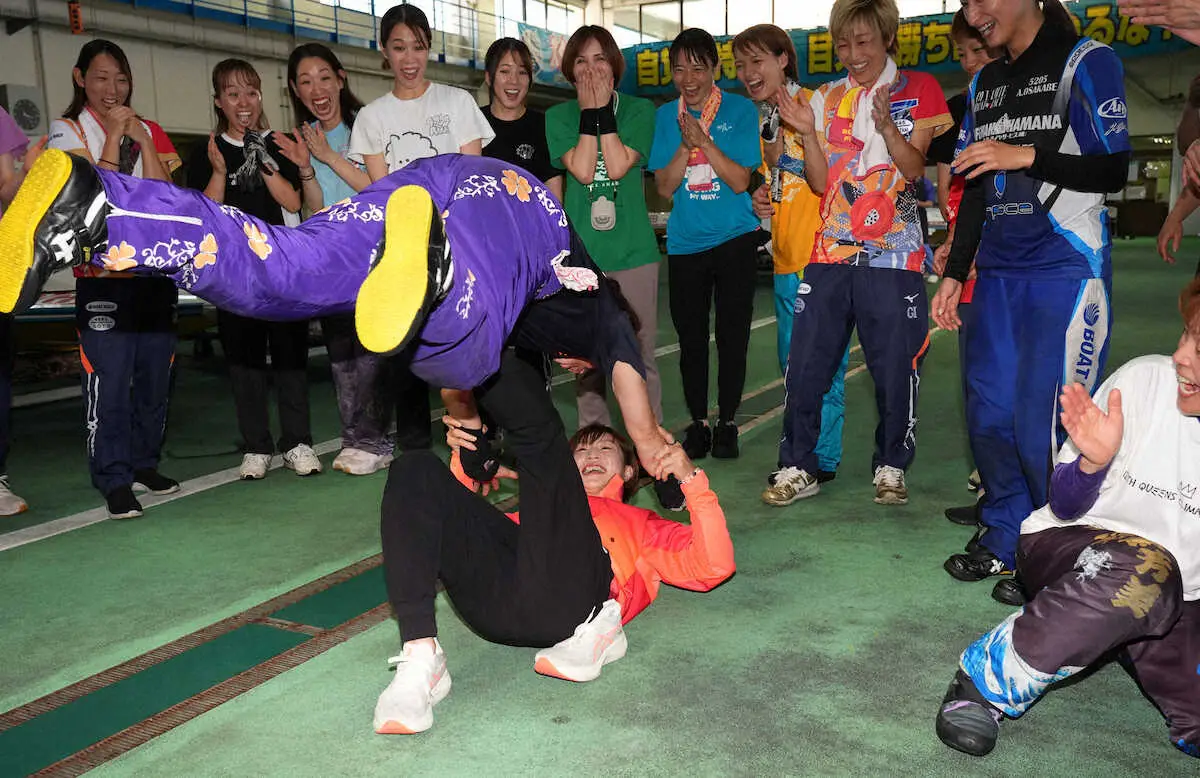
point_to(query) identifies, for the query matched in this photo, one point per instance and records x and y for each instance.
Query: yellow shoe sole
(19, 224)
(392, 298)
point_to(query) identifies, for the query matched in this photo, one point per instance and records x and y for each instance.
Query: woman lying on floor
(563, 576)
(1112, 563)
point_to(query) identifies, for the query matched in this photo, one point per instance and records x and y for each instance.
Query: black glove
(481, 464)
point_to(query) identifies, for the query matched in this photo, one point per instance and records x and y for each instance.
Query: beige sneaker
(789, 484)
(354, 461)
(890, 488)
(10, 504)
(302, 459)
(254, 467)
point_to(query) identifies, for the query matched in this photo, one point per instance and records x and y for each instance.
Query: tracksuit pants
(361, 382)
(833, 404)
(1094, 591)
(527, 584)
(127, 351)
(891, 312)
(726, 275)
(246, 342)
(1026, 339)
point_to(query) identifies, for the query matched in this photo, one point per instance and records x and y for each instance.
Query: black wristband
(589, 121)
(606, 120)
(481, 464)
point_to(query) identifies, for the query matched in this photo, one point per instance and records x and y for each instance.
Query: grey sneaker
(789, 484)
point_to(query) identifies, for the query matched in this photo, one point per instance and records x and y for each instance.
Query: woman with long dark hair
(126, 325)
(520, 130)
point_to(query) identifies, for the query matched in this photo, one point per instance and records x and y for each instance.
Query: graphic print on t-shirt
(406, 147)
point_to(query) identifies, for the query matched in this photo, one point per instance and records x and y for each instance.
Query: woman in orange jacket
(563, 576)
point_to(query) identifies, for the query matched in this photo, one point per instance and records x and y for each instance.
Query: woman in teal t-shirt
(705, 147)
(602, 139)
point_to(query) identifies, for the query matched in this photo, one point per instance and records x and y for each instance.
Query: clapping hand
(694, 136)
(318, 144)
(294, 149)
(797, 113)
(1095, 433)
(881, 110)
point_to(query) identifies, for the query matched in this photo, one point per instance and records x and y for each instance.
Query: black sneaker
(825, 476)
(122, 504)
(973, 544)
(1010, 591)
(966, 515)
(670, 494)
(154, 482)
(697, 440)
(966, 721)
(413, 271)
(976, 565)
(56, 221)
(725, 441)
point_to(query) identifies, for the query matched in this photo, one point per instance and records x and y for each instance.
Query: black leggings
(726, 274)
(524, 585)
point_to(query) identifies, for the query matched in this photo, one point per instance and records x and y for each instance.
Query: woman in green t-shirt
(602, 139)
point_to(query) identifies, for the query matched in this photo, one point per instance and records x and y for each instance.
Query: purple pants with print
(1093, 591)
(509, 237)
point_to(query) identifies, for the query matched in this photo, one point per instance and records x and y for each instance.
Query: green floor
(826, 654)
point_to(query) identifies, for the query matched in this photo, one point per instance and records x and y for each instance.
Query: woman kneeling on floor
(1113, 561)
(578, 565)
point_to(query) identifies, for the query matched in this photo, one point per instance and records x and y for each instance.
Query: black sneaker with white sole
(976, 565)
(56, 221)
(154, 482)
(966, 515)
(122, 504)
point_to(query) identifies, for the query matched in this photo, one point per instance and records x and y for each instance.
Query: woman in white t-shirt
(1112, 563)
(126, 324)
(417, 119)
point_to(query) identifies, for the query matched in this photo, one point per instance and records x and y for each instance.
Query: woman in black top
(520, 132)
(243, 167)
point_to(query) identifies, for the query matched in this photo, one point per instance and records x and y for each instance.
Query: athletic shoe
(789, 484)
(697, 440)
(825, 476)
(412, 272)
(355, 461)
(10, 504)
(596, 642)
(973, 544)
(725, 441)
(56, 221)
(302, 459)
(966, 515)
(122, 504)
(889, 486)
(966, 721)
(976, 565)
(670, 494)
(1010, 591)
(974, 483)
(254, 467)
(150, 480)
(421, 681)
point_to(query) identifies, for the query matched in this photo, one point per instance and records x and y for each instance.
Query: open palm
(1095, 433)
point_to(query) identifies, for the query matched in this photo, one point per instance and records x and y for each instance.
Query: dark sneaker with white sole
(154, 482)
(122, 504)
(966, 721)
(56, 221)
(976, 565)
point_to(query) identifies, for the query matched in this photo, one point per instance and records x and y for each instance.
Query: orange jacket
(647, 549)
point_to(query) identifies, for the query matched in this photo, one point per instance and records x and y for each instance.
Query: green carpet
(827, 653)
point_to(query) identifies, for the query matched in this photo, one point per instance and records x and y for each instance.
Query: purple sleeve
(12, 140)
(1072, 491)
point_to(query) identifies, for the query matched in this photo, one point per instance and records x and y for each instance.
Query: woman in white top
(417, 119)
(126, 324)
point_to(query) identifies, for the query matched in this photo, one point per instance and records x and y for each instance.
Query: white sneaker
(788, 484)
(890, 488)
(10, 504)
(302, 459)
(254, 467)
(596, 642)
(354, 461)
(421, 681)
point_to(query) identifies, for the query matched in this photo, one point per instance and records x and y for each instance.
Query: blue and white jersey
(1066, 95)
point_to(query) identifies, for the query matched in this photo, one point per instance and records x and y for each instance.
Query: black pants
(413, 408)
(127, 351)
(727, 275)
(527, 585)
(246, 342)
